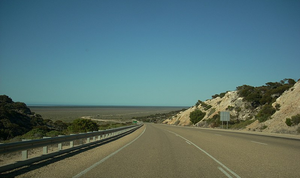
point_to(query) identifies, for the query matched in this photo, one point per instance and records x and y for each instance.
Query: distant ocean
(71, 112)
(100, 106)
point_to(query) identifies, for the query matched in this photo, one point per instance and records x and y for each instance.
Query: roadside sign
(225, 116)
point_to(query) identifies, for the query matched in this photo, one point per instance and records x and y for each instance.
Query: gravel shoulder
(80, 161)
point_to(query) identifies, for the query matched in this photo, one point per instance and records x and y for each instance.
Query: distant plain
(120, 113)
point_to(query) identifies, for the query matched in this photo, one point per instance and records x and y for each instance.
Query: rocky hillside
(264, 108)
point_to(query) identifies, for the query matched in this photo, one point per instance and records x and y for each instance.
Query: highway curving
(157, 150)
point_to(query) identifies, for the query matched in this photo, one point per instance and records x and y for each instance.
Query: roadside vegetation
(204, 105)
(221, 95)
(264, 96)
(196, 116)
(159, 117)
(17, 122)
(295, 120)
(258, 100)
(239, 124)
(214, 121)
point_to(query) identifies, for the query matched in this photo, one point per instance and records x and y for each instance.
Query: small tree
(196, 116)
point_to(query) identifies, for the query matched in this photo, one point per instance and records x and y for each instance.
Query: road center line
(208, 155)
(259, 143)
(224, 172)
(107, 157)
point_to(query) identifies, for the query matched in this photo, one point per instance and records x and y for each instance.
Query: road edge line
(224, 172)
(107, 157)
(208, 155)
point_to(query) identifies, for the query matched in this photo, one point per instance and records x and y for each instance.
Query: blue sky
(136, 52)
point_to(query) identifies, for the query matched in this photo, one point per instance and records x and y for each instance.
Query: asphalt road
(169, 151)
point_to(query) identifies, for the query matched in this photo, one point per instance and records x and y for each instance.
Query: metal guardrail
(24, 146)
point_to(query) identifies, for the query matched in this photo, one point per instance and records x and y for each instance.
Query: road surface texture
(157, 150)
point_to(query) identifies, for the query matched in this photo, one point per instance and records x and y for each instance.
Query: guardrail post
(60, 144)
(88, 139)
(94, 138)
(25, 152)
(99, 136)
(45, 148)
(72, 142)
(23, 147)
(81, 140)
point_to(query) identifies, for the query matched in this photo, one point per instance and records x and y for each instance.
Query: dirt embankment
(289, 103)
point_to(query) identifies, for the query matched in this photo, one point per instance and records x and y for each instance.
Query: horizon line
(95, 105)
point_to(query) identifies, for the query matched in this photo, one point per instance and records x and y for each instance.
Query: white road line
(259, 143)
(233, 173)
(188, 142)
(107, 157)
(224, 172)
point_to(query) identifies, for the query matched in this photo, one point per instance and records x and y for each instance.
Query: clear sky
(138, 52)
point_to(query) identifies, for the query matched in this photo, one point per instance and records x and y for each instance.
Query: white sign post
(225, 116)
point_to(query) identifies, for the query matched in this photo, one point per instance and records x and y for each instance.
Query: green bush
(230, 108)
(277, 107)
(82, 125)
(53, 133)
(203, 104)
(211, 111)
(265, 113)
(263, 127)
(264, 94)
(288, 122)
(215, 96)
(296, 119)
(238, 109)
(241, 124)
(60, 125)
(35, 133)
(215, 121)
(221, 95)
(198, 103)
(196, 116)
